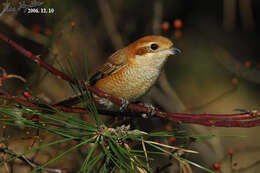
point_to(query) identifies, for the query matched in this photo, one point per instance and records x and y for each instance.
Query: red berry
(70, 54)
(105, 144)
(36, 28)
(168, 127)
(247, 63)
(166, 154)
(165, 26)
(35, 118)
(26, 94)
(54, 51)
(216, 166)
(177, 24)
(73, 23)
(231, 152)
(172, 139)
(234, 81)
(178, 34)
(47, 31)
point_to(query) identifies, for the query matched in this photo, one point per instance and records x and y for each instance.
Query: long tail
(70, 101)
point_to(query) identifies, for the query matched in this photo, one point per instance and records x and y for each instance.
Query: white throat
(153, 60)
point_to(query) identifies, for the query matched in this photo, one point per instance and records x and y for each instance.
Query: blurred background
(217, 72)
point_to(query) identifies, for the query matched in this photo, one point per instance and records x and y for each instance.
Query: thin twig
(5, 8)
(28, 161)
(145, 152)
(158, 8)
(9, 76)
(229, 14)
(171, 147)
(21, 30)
(109, 21)
(246, 13)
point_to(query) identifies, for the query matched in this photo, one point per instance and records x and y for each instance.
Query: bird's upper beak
(175, 50)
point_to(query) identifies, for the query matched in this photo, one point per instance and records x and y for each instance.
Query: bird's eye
(154, 46)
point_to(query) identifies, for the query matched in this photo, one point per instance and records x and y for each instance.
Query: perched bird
(131, 71)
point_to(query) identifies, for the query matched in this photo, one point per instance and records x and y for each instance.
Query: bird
(130, 72)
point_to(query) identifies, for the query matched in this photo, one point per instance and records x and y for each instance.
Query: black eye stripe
(154, 46)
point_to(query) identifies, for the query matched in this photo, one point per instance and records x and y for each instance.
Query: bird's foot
(151, 110)
(124, 104)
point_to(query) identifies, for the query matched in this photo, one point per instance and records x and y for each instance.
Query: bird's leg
(124, 104)
(151, 110)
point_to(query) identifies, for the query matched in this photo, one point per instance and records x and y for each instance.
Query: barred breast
(131, 82)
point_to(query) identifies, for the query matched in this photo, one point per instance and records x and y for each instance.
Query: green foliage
(105, 147)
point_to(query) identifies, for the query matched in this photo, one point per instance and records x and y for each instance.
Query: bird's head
(151, 51)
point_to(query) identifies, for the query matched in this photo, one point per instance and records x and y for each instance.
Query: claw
(124, 104)
(253, 113)
(151, 110)
(240, 110)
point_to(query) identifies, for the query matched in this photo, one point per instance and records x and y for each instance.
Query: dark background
(217, 72)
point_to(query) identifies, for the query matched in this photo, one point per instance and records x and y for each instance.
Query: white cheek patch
(166, 52)
(153, 59)
(141, 59)
(161, 53)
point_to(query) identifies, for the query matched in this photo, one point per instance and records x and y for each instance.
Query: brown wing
(114, 63)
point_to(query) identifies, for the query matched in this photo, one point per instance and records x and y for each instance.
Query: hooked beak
(175, 50)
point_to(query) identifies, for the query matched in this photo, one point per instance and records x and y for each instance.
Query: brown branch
(110, 25)
(5, 76)
(246, 14)
(21, 30)
(5, 95)
(36, 59)
(229, 14)
(158, 9)
(220, 120)
(177, 116)
(29, 161)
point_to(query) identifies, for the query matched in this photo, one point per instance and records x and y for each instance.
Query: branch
(6, 96)
(110, 25)
(22, 31)
(229, 15)
(157, 19)
(246, 13)
(219, 120)
(29, 161)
